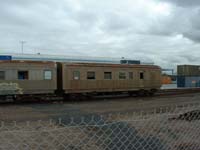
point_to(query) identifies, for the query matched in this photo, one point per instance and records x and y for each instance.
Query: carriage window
(76, 75)
(23, 75)
(2, 75)
(47, 75)
(130, 75)
(91, 75)
(107, 75)
(141, 75)
(122, 75)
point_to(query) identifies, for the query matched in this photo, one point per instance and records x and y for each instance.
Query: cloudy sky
(166, 32)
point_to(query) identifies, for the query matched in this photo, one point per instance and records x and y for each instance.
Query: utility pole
(22, 46)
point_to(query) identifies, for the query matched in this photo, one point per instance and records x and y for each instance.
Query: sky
(166, 32)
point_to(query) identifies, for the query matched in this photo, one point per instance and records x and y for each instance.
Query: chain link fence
(171, 128)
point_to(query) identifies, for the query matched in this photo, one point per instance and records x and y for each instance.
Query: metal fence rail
(172, 128)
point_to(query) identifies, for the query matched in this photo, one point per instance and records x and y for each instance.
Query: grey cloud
(184, 3)
(183, 21)
(193, 35)
(189, 58)
(102, 28)
(116, 23)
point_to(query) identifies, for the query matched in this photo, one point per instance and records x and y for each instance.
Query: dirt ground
(55, 110)
(159, 131)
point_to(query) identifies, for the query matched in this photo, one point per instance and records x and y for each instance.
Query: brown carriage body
(119, 77)
(33, 77)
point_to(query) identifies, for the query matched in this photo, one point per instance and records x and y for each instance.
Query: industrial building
(188, 76)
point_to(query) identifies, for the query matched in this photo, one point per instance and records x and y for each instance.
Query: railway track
(178, 91)
(160, 93)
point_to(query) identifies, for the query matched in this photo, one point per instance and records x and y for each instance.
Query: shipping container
(5, 57)
(188, 81)
(188, 70)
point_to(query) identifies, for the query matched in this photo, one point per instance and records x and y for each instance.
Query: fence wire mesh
(171, 128)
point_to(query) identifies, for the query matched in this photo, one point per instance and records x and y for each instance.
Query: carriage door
(141, 78)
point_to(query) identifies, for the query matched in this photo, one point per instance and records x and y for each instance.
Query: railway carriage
(42, 78)
(88, 78)
(32, 77)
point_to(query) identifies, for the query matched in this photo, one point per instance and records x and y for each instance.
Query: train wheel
(73, 97)
(77, 97)
(130, 93)
(146, 93)
(152, 92)
(141, 93)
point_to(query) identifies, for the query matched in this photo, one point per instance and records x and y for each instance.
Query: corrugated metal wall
(188, 70)
(192, 81)
(180, 81)
(188, 81)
